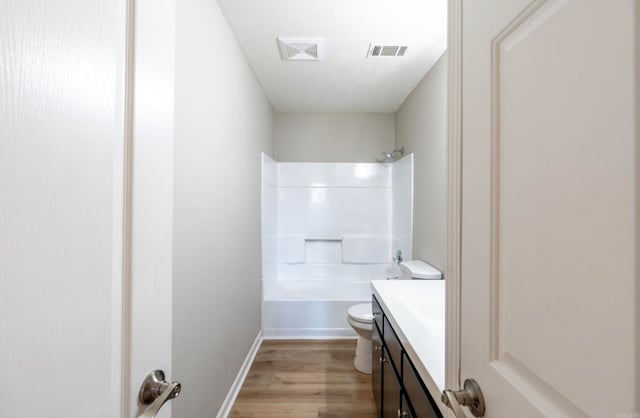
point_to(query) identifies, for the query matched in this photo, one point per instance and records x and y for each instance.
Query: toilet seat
(361, 313)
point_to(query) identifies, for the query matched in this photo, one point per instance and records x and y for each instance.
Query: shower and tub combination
(328, 229)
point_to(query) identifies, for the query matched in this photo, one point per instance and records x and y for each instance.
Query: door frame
(454, 197)
(127, 168)
(146, 177)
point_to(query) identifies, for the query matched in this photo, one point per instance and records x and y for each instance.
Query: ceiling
(346, 80)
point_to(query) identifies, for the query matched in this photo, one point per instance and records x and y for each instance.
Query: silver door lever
(156, 391)
(470, 396)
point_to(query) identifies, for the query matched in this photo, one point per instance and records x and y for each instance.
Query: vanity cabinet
(377, 313)
(405, 409)
(391, 387)
(397, 387)
(421, 402)
(376, 367)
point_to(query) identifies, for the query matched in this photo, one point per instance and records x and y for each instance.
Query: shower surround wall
(328, 229)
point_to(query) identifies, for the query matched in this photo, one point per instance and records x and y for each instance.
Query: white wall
(420, 126)
(327, 201)
(402, 207)
(223, 122)
(332, 137)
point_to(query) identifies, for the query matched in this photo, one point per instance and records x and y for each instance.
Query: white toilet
(360, 318)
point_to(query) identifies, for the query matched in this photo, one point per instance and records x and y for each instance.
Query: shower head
(389, 157)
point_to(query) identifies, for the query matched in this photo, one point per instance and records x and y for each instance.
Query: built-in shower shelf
(348, 249)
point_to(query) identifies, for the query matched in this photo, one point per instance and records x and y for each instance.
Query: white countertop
(415, 309)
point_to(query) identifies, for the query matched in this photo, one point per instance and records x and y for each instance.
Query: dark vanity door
(390, 388)
(405, 409)
(422, 403)
(376, 367)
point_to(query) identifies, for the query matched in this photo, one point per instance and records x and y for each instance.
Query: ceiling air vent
(301, 49)
(379, 50)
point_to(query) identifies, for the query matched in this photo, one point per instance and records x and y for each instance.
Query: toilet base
(362, 360)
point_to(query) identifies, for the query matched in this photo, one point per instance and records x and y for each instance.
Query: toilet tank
(417, 269)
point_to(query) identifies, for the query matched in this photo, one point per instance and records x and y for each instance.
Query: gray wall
(223, 121)
(332, 137)
(421, 128)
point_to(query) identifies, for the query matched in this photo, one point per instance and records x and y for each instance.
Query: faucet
(398, 258)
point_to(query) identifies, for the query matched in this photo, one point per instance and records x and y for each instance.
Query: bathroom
(325, 184)
(304, 113)
(166, 178)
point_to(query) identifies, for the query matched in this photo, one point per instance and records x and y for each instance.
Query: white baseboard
(308, 333)
(225, 409)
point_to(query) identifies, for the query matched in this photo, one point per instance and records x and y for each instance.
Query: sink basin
(429, 311)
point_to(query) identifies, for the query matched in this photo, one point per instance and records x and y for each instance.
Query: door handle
(155, 392)
(470, 396)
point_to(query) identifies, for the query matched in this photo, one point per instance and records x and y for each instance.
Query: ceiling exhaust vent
(380, 50)
(301, 49)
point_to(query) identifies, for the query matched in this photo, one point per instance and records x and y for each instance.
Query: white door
(85, 228)
(549, 273)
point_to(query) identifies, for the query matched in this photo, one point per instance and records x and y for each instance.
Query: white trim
(309, 333)
(127, 211)
(637, 82)
(230, 399)
(151, 200)
(454, 202)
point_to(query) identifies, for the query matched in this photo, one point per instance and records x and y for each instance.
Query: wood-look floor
(305, 379)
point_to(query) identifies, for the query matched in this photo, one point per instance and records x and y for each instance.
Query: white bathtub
(311, 309)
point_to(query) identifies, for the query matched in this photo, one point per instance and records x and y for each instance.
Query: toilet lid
(361, 313)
